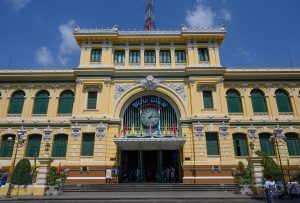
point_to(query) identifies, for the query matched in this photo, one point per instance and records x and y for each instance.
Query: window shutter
(33, 146)
(240, 140)
(258, 101)
(265, 144)
(212, 144)
(66, 101)
(17, 103)
(283, 101)
(234, 102)
(92, 100)
(41, 102)
(293, 144)
(6, 147)
(207, 99)
(60, 146)
(87, 147)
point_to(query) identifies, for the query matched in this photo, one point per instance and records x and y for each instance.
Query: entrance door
(171, 164)
(150, 166)
(129, 166)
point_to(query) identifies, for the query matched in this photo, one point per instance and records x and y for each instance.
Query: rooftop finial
(149, 17)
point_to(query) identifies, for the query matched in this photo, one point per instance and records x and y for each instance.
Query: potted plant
(21, 175)
(243, 179)
(53, 181)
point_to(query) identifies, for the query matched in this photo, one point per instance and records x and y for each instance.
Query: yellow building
(142, 102)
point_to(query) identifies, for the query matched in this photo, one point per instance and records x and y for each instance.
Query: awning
(174, 143)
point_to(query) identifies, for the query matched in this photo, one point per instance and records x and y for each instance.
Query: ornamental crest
(120, 89)
(224, 130)
(278, 133)
(179, 88)
(100, 131)
(75, 130)
(47, 134)
(199, 130)
(149, 83)
(252, 133)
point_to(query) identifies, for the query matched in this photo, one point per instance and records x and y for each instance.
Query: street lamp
(279, 136)
(21, 139)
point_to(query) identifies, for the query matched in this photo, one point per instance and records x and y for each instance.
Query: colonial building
(142, 102)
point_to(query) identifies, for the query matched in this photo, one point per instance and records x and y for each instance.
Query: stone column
(40, 186)
(157, 57)
(256, 173)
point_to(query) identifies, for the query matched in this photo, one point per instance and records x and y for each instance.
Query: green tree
(270, 166)
(53, 176)
(21, 174)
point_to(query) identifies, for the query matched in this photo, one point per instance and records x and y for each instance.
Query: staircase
(149, 187)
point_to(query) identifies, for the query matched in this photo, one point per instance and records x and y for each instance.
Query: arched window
(33, 145)
(7, 147)
(240, 144)
(66, 100)
(283, 101)
(266, 144)
(234, 102)
(60, 145)
(258, 101)
(16, 103)
(293, 144)
(41, 101)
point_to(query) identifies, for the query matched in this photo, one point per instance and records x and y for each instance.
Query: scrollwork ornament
(252, 133)
(47, 134)
(224, 130)
(199, 130)
(100, 131)
(150, 83)
(75, 130)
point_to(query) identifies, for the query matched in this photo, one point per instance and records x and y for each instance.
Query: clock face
(150, 117)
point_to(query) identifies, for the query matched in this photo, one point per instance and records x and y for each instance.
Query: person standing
(172, 174)
(270, 187)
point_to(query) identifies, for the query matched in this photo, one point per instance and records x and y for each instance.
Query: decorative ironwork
(199, 130)
(75, 130)
(100, 131)
(149, 83)
(47, 134)
(132, 124)
(224, 130)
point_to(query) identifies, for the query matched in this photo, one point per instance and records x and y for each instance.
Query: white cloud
(19, 4)
(68, 44)
(204, 16)
(225, 15)
(242, 52)
(43, 56)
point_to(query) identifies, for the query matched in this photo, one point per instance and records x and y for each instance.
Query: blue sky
(38, 33)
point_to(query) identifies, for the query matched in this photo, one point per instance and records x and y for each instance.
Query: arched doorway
(151, 141)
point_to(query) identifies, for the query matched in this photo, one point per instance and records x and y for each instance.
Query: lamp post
(20, 143)
(279, 136)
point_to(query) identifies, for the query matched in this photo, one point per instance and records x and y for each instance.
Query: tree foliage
(270, 166)
(242, 177)
(53, 176)
(22, 173)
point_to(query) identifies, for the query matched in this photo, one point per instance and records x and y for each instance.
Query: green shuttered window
(87, 147)
(66, 100)
(240, 145)
(203, 54)
(180, 56)
(41, 102)
(119, 57)
(165, 56)
(60, 145)
(265, 144)
(92, 100)
(212, 144)
(7, 148)
(208, 100)
(16, 103)
(283, 101)
(234, 102)
(134, 57)
(33, 146)
(96, 55)
(292, 140)
(150, 56)
(258, 101)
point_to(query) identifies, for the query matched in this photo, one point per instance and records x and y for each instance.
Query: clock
(150, 117)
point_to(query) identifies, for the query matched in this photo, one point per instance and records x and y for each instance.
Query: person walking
(270, 187)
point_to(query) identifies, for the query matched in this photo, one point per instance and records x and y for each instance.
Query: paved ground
(144, 197)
